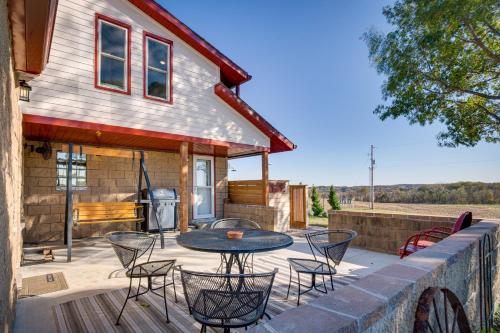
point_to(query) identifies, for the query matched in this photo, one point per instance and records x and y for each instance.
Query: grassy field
(478, 211)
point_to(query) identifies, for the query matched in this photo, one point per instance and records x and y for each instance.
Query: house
(128, 74)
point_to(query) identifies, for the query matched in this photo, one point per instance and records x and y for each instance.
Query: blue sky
(313, 81)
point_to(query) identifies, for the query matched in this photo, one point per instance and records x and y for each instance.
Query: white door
(203, 186)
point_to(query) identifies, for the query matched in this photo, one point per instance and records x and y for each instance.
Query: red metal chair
(428, 237)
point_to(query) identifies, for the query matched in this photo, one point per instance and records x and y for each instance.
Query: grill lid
(162, 193)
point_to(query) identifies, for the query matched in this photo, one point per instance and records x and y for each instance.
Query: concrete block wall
(386, 300)
(266, 217)
(279, 197)
(385, 232)
(109, 179)
(10, 176)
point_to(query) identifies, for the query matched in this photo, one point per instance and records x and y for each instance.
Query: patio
(96, 287)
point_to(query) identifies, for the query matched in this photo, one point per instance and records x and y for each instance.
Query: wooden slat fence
(247, 192)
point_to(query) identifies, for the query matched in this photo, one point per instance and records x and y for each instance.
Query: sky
(313, 81)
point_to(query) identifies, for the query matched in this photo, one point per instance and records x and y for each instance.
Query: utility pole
(371, 167)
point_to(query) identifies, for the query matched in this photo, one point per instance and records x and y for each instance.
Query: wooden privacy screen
(247, 192)
(298, 206)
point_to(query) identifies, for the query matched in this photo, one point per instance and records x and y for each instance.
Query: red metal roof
(231, 74)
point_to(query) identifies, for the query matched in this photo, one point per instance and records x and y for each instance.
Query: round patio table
(238, 250)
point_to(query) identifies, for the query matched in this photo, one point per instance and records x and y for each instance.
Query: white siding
(66, 88)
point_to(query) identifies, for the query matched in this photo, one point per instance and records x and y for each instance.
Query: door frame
(212, 181)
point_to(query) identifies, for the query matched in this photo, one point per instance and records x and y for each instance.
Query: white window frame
(212, 175)
(167, 72)
(125, 60)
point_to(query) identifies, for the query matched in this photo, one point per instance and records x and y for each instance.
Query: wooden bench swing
(85, 213)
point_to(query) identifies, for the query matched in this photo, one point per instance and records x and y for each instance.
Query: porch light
(24, 91)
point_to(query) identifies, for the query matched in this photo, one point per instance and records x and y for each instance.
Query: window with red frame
(157, 68)
(112, 55)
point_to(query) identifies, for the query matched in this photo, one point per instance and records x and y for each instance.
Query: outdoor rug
(98, 313)
(43, 284)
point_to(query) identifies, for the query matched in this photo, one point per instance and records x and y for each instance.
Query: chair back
(463, 221)
(130, 245)
(227, 300)
(331, 243)
(235, 222)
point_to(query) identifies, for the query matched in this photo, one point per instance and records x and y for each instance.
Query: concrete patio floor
(95, 269)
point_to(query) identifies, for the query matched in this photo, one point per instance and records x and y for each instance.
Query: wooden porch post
(183, 186)
(265, 177)
(68, 211)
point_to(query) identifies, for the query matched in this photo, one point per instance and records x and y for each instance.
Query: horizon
(320, 90)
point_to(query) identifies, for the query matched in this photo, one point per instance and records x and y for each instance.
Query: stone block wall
(386, 300)
(10, 176)
(108, 179)
(279, 197)
(266, 217)
(384, 232)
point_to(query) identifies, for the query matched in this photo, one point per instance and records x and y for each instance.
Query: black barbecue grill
(166, 203)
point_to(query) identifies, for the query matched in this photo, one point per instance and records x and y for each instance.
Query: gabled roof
(279, 142)
(231, 74)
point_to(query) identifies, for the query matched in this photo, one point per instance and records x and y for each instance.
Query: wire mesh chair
(235, 223)
(129, 246)
(227, 300)
(330, 244)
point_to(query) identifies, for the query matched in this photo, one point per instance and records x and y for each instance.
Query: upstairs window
(112, 55)
(157, 68)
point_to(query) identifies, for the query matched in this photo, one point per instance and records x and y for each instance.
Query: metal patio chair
(129, 246)
(235, 223)
(227, 300)
(330, 244)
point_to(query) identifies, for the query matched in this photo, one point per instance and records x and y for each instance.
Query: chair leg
(173, 282)
(165, 296)
(298, 295)
(202, 328)
(126, 300)
(138, 290)
(289, 283)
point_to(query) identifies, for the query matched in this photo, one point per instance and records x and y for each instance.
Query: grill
(166, 201)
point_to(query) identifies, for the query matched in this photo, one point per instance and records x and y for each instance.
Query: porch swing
(87, 213)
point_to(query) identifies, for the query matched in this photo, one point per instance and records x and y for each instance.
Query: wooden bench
(105, 212)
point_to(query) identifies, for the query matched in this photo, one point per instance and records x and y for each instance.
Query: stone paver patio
(96, 270)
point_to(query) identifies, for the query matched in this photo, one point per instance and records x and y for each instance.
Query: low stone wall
(385, 232)
(266, 217)
(386, 300)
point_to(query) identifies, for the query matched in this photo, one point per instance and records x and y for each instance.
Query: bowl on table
(234, 234)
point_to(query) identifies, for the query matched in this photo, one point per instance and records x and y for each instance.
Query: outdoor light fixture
(24, 91)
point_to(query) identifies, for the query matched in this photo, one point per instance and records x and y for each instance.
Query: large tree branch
(458, 89)
(491, 113)
(477, 40)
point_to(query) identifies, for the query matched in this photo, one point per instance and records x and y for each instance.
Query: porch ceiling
(79, 132)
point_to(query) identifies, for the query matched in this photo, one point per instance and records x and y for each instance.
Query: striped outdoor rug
(98, 313)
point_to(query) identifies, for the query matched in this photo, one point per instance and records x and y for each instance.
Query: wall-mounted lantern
(24, 91)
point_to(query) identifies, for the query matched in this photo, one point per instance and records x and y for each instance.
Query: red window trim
(96, 50)
(146, 35)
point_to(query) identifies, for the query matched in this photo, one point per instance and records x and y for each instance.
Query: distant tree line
(454, 193)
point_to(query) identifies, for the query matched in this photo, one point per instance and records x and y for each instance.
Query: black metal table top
(216, 241)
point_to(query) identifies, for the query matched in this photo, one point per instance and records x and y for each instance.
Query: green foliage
(454, 193)
(496, 319)
(442, 63)
(332, 199)
(317, 209)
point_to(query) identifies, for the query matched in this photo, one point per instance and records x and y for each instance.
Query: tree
(332, 199)
(316, 206)
(442, 63)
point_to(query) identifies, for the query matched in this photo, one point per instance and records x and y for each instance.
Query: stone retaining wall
(386, 300)
(384, 232)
